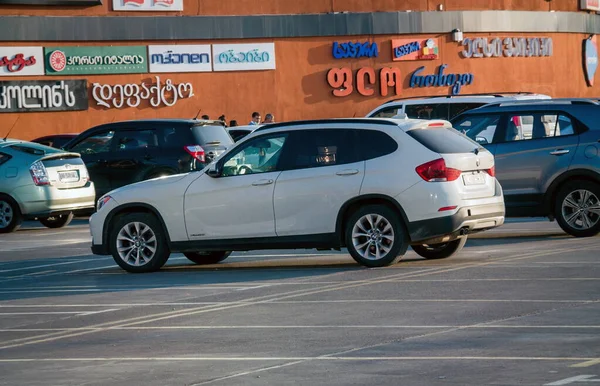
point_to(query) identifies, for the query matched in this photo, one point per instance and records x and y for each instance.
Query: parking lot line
(593, 362)
(41, 266)
(281, 296)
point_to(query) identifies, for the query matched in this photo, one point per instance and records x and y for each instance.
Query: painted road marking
(42, 266)
(588, 363)
(577, 379)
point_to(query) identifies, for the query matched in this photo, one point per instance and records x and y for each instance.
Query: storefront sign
(355, 50)
(342, 81)
(21, 61)
(147, 5)
(415, 49)
(185, 58)
(589, 5)
(590, 59)
(96, 60)
(456, 81)
(43, 95)
(243, 57)
(509, 47)
(132, 95)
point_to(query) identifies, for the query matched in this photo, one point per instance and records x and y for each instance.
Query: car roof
(404, 124)
(190, 122)
(535, 105)
(10, 141)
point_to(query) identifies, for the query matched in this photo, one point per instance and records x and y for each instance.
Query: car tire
(577, 208)
(440, 251)
(57, 221)
(10, 215)
(372, 230)
(203, 258)
(138, 243)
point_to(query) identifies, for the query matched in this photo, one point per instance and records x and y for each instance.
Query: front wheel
(138, 243)
(202, 258)
(440, 251)
(375, 236)
(577, 208)
(57, 221)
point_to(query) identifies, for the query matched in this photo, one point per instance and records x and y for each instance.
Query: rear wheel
(138, 243)
(202, 258)
(58, 221)
(440, 251)
(577, 208)
(375, 236)
(10, 215)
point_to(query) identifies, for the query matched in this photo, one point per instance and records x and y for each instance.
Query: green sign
(95, 60)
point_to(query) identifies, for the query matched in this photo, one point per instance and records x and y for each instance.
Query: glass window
(239, 134)
(211, 135)
(538, 126)
(456, 109)
(427, 111)
(176, 137)
(136, 139)
(374, 143)
(94, 144)
(480, 128)
(260, 155)
(444, 141)
(326, 147)
(4, 157)
(388, 112)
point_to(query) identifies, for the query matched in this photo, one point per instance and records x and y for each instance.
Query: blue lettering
(173, 58)
(439, 79)
(355, 50)
(406, 49)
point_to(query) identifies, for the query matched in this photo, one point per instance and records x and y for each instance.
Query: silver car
(43, 183)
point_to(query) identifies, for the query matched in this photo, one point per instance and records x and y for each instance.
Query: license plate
(474, 179)
(70, 176)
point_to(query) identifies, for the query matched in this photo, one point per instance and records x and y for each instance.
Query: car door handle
(262, 182)
(347, 172)
(559, 152)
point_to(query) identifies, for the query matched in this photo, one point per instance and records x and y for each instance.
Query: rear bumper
(40, 201)
(464, 221)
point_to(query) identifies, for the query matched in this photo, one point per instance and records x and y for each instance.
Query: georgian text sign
(180, 58)
(508, 47)
(75, 60)
(43, 95)
(21, 61)
(244, 57)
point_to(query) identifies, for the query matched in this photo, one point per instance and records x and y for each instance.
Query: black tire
(397, 246)
(203, 258)
(10, 215)
(563, 212)
(440, 251)
(57, 221)
(161, 249)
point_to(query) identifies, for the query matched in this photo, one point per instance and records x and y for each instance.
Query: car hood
(146, 188)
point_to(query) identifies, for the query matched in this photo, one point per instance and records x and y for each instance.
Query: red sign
(17, 63)
(342, 81)
(415, 49)
(590, 5)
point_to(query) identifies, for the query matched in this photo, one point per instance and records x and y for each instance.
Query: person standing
(269, 118)
(255, 119)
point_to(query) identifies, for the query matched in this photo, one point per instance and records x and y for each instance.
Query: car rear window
(34, 149)
(208, 134)
(444, 141)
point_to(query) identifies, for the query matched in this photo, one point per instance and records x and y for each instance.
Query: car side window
(260, 155)
(388, 112)
(136, 139)
(375, 143)
(480, 128)
(321, 147)
(455, 109)
(94, 144)
(427, 111)
(538, 126)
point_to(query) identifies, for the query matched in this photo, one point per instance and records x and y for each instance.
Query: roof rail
(572, 101)
(329, 120)
(494, 94)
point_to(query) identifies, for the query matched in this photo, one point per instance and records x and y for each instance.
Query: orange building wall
(298, 88)
(262, 7)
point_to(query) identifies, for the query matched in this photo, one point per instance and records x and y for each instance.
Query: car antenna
(9, 131)
(196, 117)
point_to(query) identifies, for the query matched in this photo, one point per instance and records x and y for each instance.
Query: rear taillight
(196, 151)
(436, 171)
(491, 171)
(39, 173)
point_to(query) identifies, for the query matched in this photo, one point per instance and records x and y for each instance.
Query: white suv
(444, 107)
(374, 186)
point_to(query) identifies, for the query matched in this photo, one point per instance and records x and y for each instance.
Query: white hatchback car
(374, 186)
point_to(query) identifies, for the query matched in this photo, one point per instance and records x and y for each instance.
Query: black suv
(121, 153)
(547, 158)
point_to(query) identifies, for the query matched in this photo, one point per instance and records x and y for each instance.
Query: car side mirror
(481, 140)
(215, 170)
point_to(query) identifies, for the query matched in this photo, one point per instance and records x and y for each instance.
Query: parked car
(122, 153)
(40, 182)
(374, 186)
(57, 140)
(239, 132)
(444, 107)
(546, 158)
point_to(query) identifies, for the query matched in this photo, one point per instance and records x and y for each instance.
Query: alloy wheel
(136, 243)
(373, 236)
(581, 209)
(6, 214)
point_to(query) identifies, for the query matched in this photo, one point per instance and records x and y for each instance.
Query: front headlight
(103, 200)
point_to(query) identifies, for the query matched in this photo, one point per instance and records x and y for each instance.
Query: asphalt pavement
(519, 306)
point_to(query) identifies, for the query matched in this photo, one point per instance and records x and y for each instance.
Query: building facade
(72, 64)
